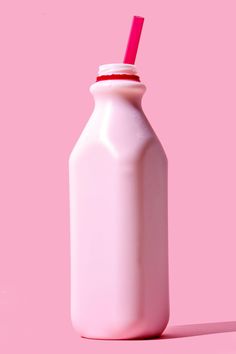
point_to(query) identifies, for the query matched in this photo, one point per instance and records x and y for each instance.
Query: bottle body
(118, 220)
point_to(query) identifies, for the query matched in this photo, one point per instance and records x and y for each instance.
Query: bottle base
(147, 337)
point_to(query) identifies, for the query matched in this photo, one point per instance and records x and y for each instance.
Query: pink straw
(133, 41)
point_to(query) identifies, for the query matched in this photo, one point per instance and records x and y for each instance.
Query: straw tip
(139, 17)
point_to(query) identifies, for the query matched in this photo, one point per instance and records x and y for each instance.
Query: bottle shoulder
(96, 149)
(125, 137)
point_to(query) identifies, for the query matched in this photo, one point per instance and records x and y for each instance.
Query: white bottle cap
(117, 68)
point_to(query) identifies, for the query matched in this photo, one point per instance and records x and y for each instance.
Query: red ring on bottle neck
(118, 77)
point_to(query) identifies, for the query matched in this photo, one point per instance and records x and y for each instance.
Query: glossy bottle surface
(118, 219)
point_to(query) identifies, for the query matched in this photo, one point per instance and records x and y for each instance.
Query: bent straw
(133, 42)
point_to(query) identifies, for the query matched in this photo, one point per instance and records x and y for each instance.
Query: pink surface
(50, 51)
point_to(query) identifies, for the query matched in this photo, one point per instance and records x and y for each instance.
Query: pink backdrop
(50, 51)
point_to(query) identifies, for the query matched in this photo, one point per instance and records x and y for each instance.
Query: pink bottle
(118, 215)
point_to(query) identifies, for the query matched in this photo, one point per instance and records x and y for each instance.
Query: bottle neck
(116, 83)
(114, 92)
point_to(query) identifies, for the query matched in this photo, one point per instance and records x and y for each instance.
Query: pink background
(50, 51)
